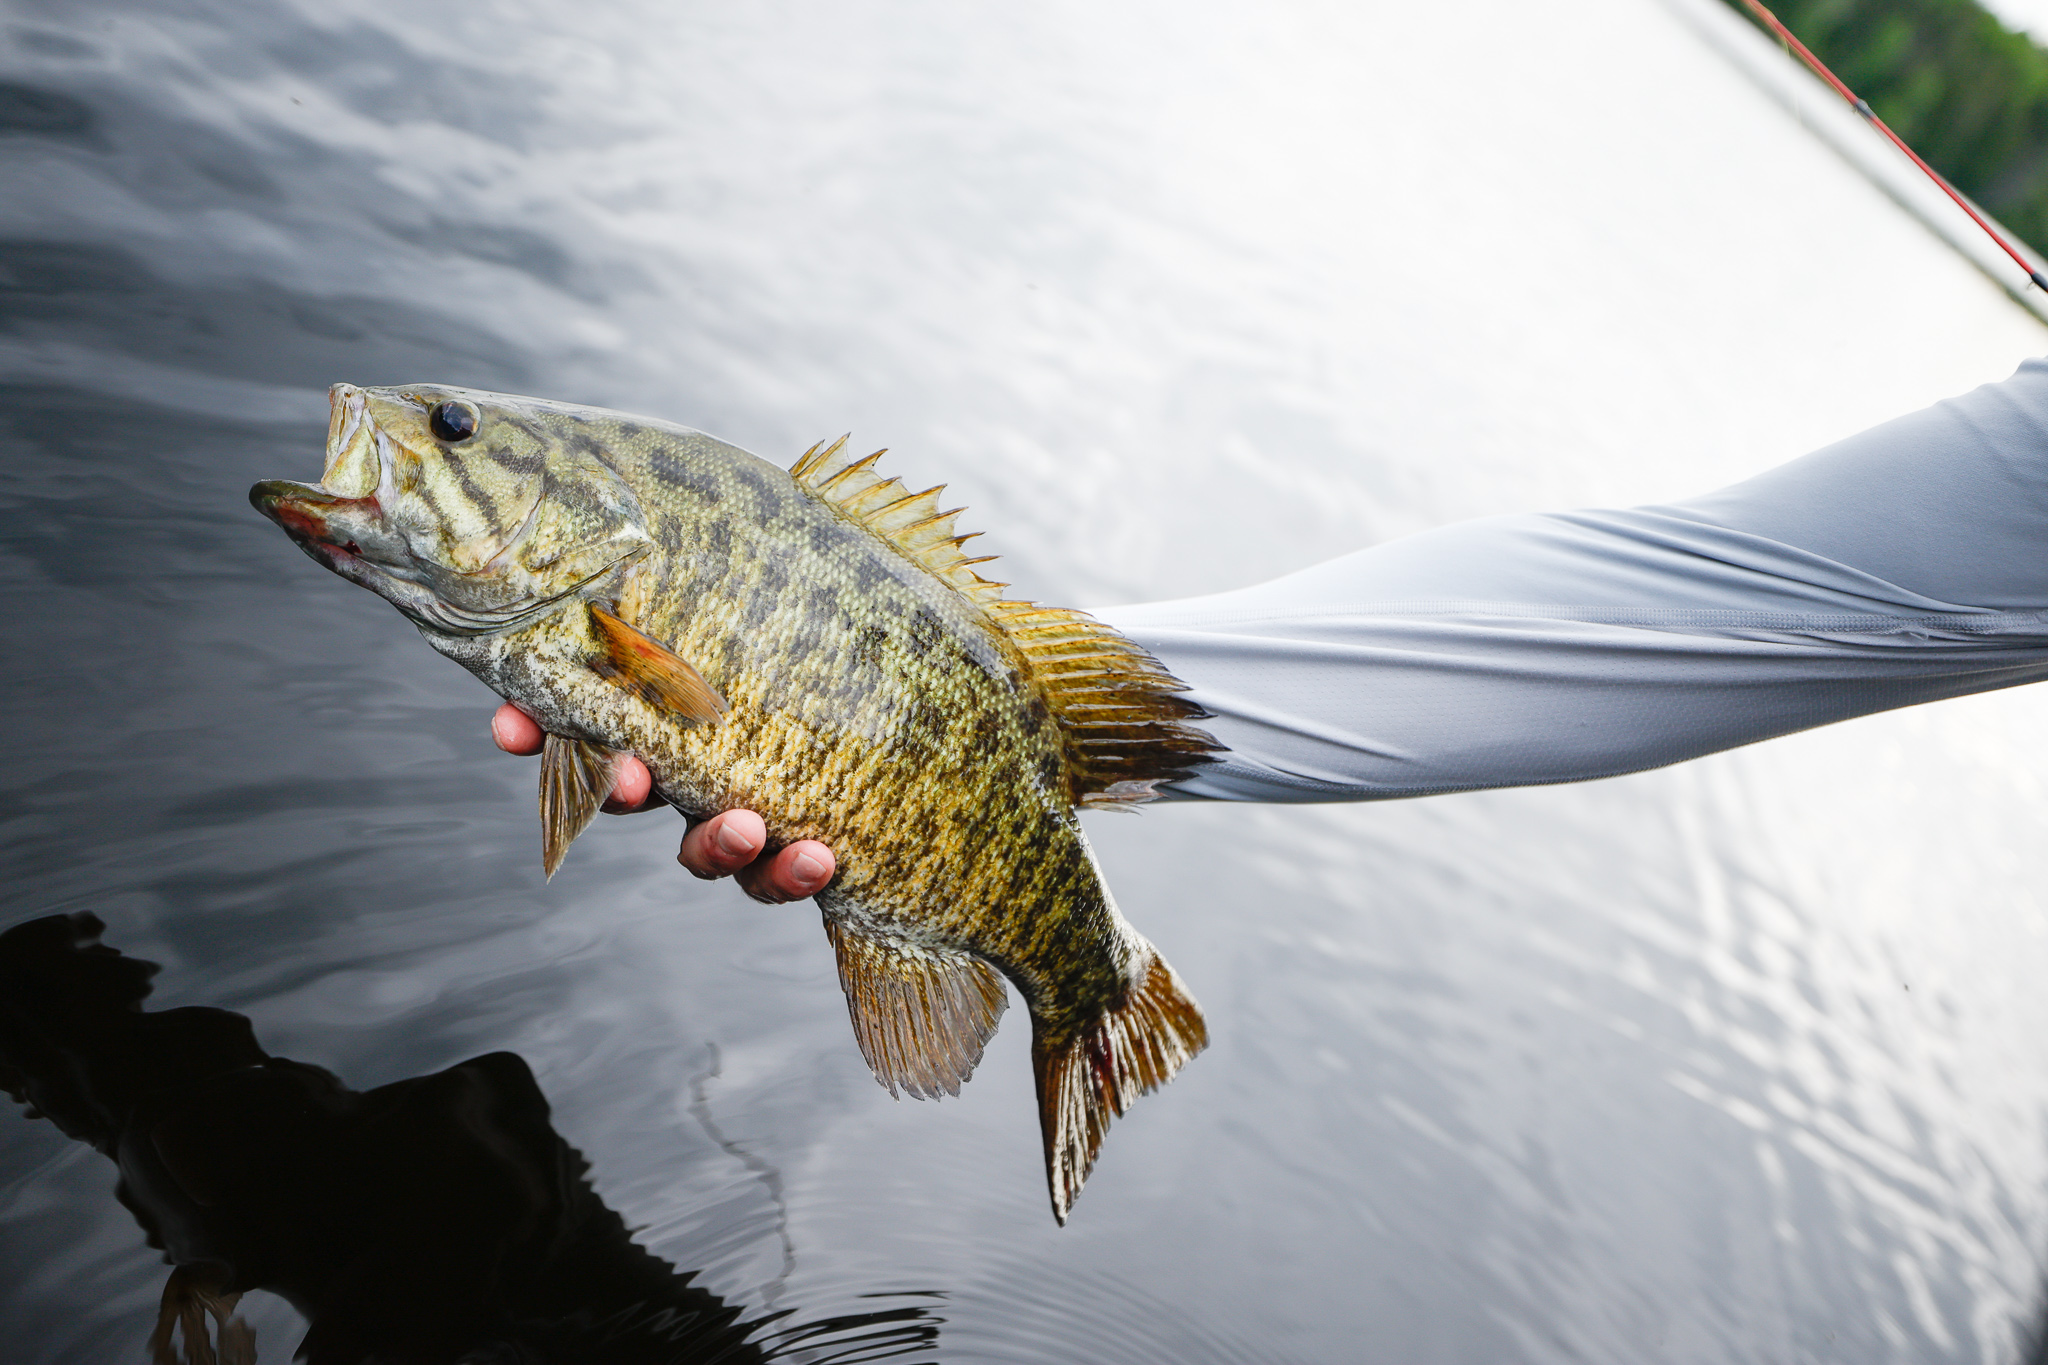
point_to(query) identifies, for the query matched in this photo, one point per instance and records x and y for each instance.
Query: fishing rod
(1862, 106)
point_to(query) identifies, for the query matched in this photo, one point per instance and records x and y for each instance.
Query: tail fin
(1093, 1075)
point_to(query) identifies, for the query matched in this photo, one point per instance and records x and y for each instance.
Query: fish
(816, 645)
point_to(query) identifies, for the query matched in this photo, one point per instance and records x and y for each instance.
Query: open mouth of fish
(345, 523)
(327, 525)
(351, 535)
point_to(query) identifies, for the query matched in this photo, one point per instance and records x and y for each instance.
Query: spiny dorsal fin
(1126, 727)
(575, 779)
(921, 1015)
(1090, 1077)
(912, 522)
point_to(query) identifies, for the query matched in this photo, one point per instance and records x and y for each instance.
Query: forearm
(1907, 564)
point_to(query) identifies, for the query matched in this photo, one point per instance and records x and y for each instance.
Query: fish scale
(816, 646)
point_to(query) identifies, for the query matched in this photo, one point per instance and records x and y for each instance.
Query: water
(1733, 1062)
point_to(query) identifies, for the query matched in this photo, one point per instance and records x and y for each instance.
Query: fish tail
(1089, 1076)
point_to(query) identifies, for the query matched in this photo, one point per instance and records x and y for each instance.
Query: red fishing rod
(1862, 107)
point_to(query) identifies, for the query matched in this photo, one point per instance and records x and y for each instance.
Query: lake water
(1740, 1061)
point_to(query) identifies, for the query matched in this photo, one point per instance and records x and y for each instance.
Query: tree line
(1965, 92)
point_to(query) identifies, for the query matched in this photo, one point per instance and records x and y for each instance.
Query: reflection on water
(1730, 1063)
(436, 1218)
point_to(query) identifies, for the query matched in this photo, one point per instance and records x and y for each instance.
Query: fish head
(470, 512)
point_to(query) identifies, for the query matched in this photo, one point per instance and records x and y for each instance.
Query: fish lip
(301, 511)
(347, 412)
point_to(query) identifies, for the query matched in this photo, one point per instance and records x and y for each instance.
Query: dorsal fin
(1126, 727)
(912, 522)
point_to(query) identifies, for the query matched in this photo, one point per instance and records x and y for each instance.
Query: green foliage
(1964, 92)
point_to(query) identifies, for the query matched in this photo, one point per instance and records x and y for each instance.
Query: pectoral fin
(644, 665)
(575, 779)
(921, 1015)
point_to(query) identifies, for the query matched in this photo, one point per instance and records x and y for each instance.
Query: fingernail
(807, 868)
(732, 843)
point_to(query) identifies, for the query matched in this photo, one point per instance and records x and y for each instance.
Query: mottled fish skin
(868, 703)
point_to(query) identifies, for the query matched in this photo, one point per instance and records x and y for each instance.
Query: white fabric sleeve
(1903, 565)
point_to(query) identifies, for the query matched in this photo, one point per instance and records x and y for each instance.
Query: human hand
(728, 843)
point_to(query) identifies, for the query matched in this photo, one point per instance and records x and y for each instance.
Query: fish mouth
(320, 523)
(351, 537)
(356, 465)
(340, 521)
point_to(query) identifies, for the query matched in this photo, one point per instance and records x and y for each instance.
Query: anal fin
(1089, 1077)
(920, 1014)
(575, 779)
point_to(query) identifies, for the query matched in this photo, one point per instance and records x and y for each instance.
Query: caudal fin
(1087, 1078)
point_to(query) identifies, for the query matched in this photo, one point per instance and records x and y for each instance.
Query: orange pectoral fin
(643, 665)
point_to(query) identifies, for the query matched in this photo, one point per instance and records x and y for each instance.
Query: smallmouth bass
(813, 645)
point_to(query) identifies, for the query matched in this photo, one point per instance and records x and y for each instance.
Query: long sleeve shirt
(1903, 565)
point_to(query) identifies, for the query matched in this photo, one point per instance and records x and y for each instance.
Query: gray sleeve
(1903, 565)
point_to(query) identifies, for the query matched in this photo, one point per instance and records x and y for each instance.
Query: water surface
(1734, 1062)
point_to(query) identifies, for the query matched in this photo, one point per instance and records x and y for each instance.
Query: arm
(1903, 565)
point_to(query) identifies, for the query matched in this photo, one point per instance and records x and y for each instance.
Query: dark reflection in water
(439, 1218)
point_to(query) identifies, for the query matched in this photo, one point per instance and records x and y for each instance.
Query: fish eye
(453, 421)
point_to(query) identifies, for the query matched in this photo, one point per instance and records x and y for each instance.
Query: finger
(632, 784)
(724, 844)
(515, 731)
(800, 870)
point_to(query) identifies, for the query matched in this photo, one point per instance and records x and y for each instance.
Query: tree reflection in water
(434, 1219)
